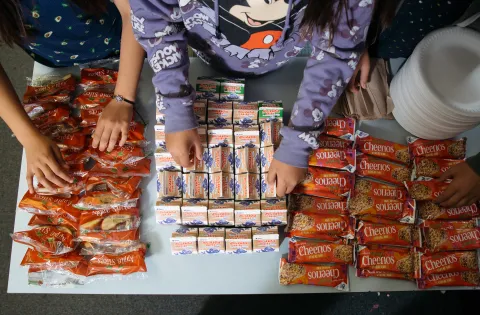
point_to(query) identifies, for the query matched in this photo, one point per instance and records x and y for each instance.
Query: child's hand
(113, 122)
(464, 190)
(287, 177)
(184, 146)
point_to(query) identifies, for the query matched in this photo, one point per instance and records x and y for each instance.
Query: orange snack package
(325, 183)
(386, 258)
(431, 167)
(114, 219)
(449, 225)
(67, 126)
(37, 259)
(122, 187)
(312, 251)
(317, 205)
(56, 240)
(106, 199)
(441, 149)
(52, 117)
(362, 273)
(323, 227)
(97, 76)
(117, 264)
(91, 99)
(445, 262)
(50, 205)
(343, 128)
(339, 159)
(72, 141)
(140, 168)
(89, 249)
(75, 157)
(333, 143)
(374, 189)
(335, 276)
(62, 219)
(401, 210)
(119, 155)
(36, 109)
(75, 188)
(380, 148)
(455, 279)
(370, 233)
(451, 239)
(428, 210)
(113, 238)
(383, 170)
(136, 135)
(90, 116)
(426, 189)
(61, 88)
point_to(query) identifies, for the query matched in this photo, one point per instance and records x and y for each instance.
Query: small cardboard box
(267, 191)
(245, 113)
(265, 243)
(232, 89)
(265, 158)
(247, 186)
(220, 112)
(164, 161)
(246, 135)
(211, 240)
(247, 160)
(220, 159)
(200, 110)
(184, 241)
(169, 184)
(159, 136)
(202, 133)
(220, 136)
(200, 166)
(184, 231)
(270, 110)
(194, 212)
(270, 133)
(238, 240)
(167, 211)
(207, 88)
(221, 186)
(247, 218)
(196, 185)
(220, 212)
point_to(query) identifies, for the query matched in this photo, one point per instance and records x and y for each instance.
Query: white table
(199, 274)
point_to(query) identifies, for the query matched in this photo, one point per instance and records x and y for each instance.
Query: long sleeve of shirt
(326, 75)
(159, 28)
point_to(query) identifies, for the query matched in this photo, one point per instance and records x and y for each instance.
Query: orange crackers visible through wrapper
(383, 170)
(373, 189)
(431, 167)
(323, 227)
(335, 276)
(340, 159)
(116, 238)
(117, 264)
(317, 205)
(56, 240)
(451, 239)
(442, 149)
(50, 205)
(313, 251)
(426, 189)
(325, 183)
(62, 219)
(386, 258)
(398, 234)
(381, 148)
(401, 210)
(343, 128)
(428, 210)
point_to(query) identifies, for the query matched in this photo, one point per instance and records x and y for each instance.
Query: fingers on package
(223, 201)
(89, 229)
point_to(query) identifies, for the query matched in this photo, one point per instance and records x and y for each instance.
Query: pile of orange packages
(385, 222)
(89, 229)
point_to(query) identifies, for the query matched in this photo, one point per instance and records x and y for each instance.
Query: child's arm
(112, 127)
(326, 75)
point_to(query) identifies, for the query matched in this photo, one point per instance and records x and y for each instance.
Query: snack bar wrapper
(114, 219)
(455, 279)
(428, 210)
(363, 273)
(343, 128)
(117, 264)
(50, 205)
(426, 189)
(339, 159)
(383, 170)
(323, 227)
(333, 143)
(325, 183)
(441, 149)
(451, 239)
(386, 258)
(397, 234)
(401, 210)
(317, 205)
(375, 189)
(308, 251)
(380, 148)
(37, 259)
(432, 167)
(445, 262)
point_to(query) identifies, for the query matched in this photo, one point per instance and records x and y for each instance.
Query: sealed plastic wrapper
(56, 240)
(401, 210)
(220, 112)
(59, 277)
(160, 136)
(114, 219)
(246, 160)
(140, 168)
(383, 170)
(451, 239)
(362, 273)
(426, 189)
(106, 199)
(94, 77)
(221, 186)
(170, 184)
(246, 135)
(126, 154)
(247, 218)
(37, 259)
(196, 185)
(220, 136)
(50, 205)
(317, 205)
(194, 214)
(167, 210)
(220, 159)
(117, 264)
(123, 187)
(37, 109)
(442, 149)
(455, 279)
(432, 167)
(211, 240)
(200, 111)
(65, 87)
(381, 148)
(335, 276)
(91, 99)
(62, 219)
(333, 143)
(397, 234)
(232, 89)
(247, 186)
(89, 117)
(245, 113)
(136, 134)
(51, 118)
(73, 142)
(447, 224)
(265, 158)
(339, 159)
(89, 249)
(207, 88)
(220, 212)
(343, 128)
(323, 227)
(270, 111)
(386, 258)
(308, 251)
(75, 188)
(374, 189)
(265, 239)
(428, 210)
(238, 240)
(445, 262)
(270, 133)
(325, 183)
(114, 238)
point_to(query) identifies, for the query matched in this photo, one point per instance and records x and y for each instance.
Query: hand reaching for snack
(112, 124)
(286, 177)
(464, 189)
(45, 162)
(184, 146)
(363, 67)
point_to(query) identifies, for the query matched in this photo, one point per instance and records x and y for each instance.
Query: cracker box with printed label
(170, 184)
(220, 159)
(232, 89)
(265, 158)
(202, 133)
(274, 211)
(200, 110)
(245, 113)
(167, 210)
(270, 110)
(267, 191)
(247, 218)
(194, 212)
(270, 133)
(208, 88)
(159, 117)
(164, 161)
(196, 185)
(247, 186)
(200, 166)
(184, 241)
(211, 240)
(246, 160)
(238, 240)
(220, 212)
(266, 239)
(160, 136)
(221, 186)
(220, 136)
(246, 135)
(220, 112)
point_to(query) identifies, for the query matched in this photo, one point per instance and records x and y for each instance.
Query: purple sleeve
(158, 27)
(326, 75)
